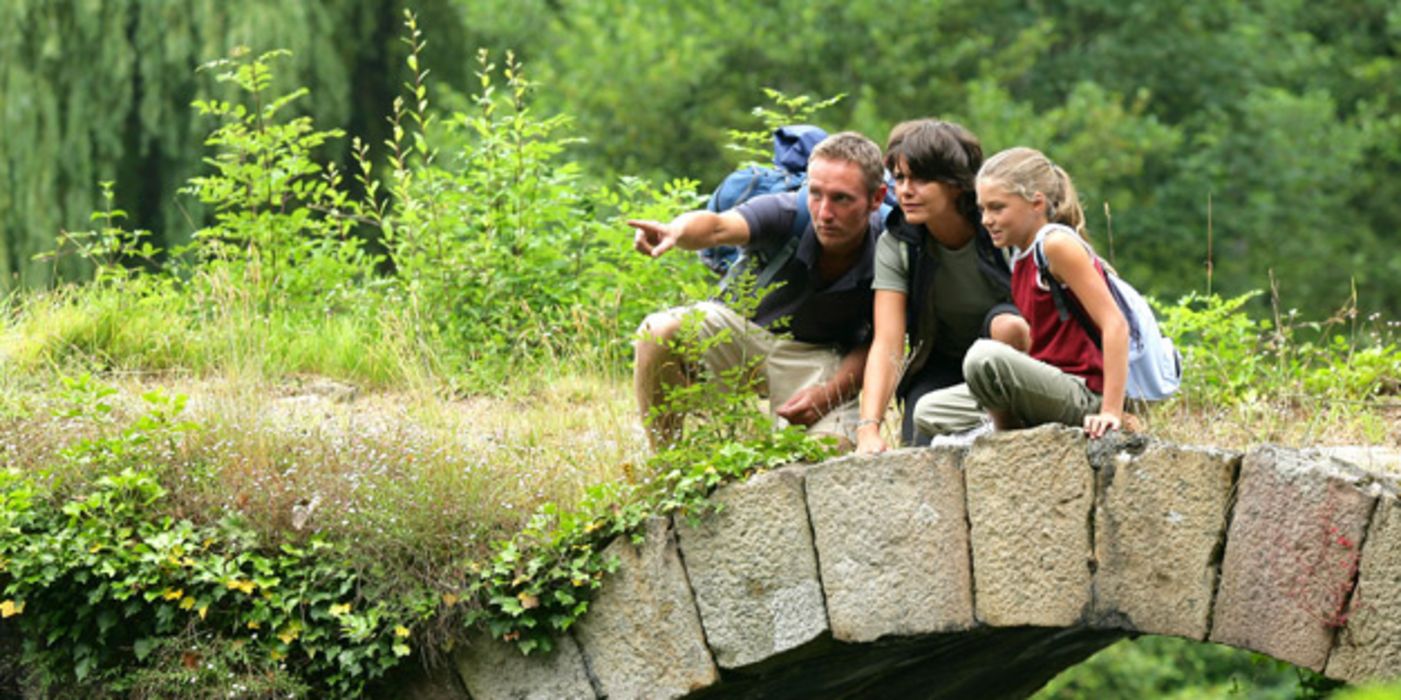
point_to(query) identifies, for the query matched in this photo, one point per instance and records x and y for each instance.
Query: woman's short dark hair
(938, 151)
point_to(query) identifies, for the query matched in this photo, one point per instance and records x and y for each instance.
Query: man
(821, 297)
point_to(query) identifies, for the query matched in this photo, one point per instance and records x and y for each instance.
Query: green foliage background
(467, 245)
(1282, 114)
(100, 90)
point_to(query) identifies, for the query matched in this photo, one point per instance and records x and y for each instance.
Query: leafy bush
(99, 579)
(1232, 358)
(280, 236)
(500, 256)
(506, 251)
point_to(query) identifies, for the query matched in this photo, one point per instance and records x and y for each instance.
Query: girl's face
(1011, 219)
(923, 201)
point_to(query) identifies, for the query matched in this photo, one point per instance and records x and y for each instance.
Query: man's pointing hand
(653, 238)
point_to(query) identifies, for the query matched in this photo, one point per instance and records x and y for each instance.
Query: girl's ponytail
(1064, 207)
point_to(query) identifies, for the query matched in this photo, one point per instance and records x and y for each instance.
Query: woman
(940, 283)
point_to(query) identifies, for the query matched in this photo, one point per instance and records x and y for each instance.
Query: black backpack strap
(777, 260)
(1043, 270)
(1065, 307)
(801, 216)
(775, 263)
(770, 262)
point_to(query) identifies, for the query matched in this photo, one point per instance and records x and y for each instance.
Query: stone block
(1159, 526)
(1368, 648)
(642, 635)
(1291, 550)
(1030, 500)
(1376, 459)
(753, 570)
(492, 669)
(892, 543)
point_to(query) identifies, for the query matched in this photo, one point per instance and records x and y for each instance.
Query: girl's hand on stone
(1097, 424)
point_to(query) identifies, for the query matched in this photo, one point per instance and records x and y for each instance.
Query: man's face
(839, 204)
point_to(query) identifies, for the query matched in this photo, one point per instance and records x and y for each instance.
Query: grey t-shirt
(952, 316)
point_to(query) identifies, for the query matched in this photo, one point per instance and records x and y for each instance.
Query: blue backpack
(791, 147)
(1155, 366)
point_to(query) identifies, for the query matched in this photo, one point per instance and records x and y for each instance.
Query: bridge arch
(981, 572)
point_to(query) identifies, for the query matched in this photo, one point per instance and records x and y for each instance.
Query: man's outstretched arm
(691, 231)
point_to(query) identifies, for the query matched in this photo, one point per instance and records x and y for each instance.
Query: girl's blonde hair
(1025, 171)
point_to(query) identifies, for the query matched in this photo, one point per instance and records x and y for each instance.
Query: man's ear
(878, 197)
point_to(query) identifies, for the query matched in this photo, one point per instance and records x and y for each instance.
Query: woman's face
(923, 200)
(1011, 219)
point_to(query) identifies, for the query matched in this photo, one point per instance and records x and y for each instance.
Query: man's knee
(658, 328)
(1012, 330)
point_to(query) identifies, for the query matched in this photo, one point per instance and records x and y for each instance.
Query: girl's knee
(983, 367)
(983, 356)
(1011, 329)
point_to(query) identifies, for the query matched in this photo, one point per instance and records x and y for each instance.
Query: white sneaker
(964, 438)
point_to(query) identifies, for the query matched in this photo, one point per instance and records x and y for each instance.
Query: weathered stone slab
(1159, 524)
(1373, 458)
(892, 542)
(642, 635)
(493, 669)
(1369, 647)
(753, 570)
(1290, 553)
(1030, 500)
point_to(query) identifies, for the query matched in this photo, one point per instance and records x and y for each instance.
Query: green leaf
(106, 620)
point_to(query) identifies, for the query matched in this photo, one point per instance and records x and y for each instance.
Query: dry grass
(1310, 423)
(418, 482)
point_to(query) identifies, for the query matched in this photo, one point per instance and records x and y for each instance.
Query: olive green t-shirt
(952, 315)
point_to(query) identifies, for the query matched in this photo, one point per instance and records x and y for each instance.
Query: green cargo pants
(999, 378)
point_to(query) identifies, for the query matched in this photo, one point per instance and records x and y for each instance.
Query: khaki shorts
(783, 368)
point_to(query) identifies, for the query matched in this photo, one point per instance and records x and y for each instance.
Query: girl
(938, 279)
(1068, 377)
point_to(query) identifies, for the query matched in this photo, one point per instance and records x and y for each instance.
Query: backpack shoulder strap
(802, 217)
(778, 259)
(771, 261)
(1043, 270)
(1065, 307)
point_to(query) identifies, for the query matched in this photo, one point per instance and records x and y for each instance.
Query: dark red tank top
(1062, 344)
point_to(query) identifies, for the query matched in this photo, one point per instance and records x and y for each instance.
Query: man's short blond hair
(853, 147)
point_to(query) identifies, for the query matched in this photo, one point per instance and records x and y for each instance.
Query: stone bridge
(980, 572)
